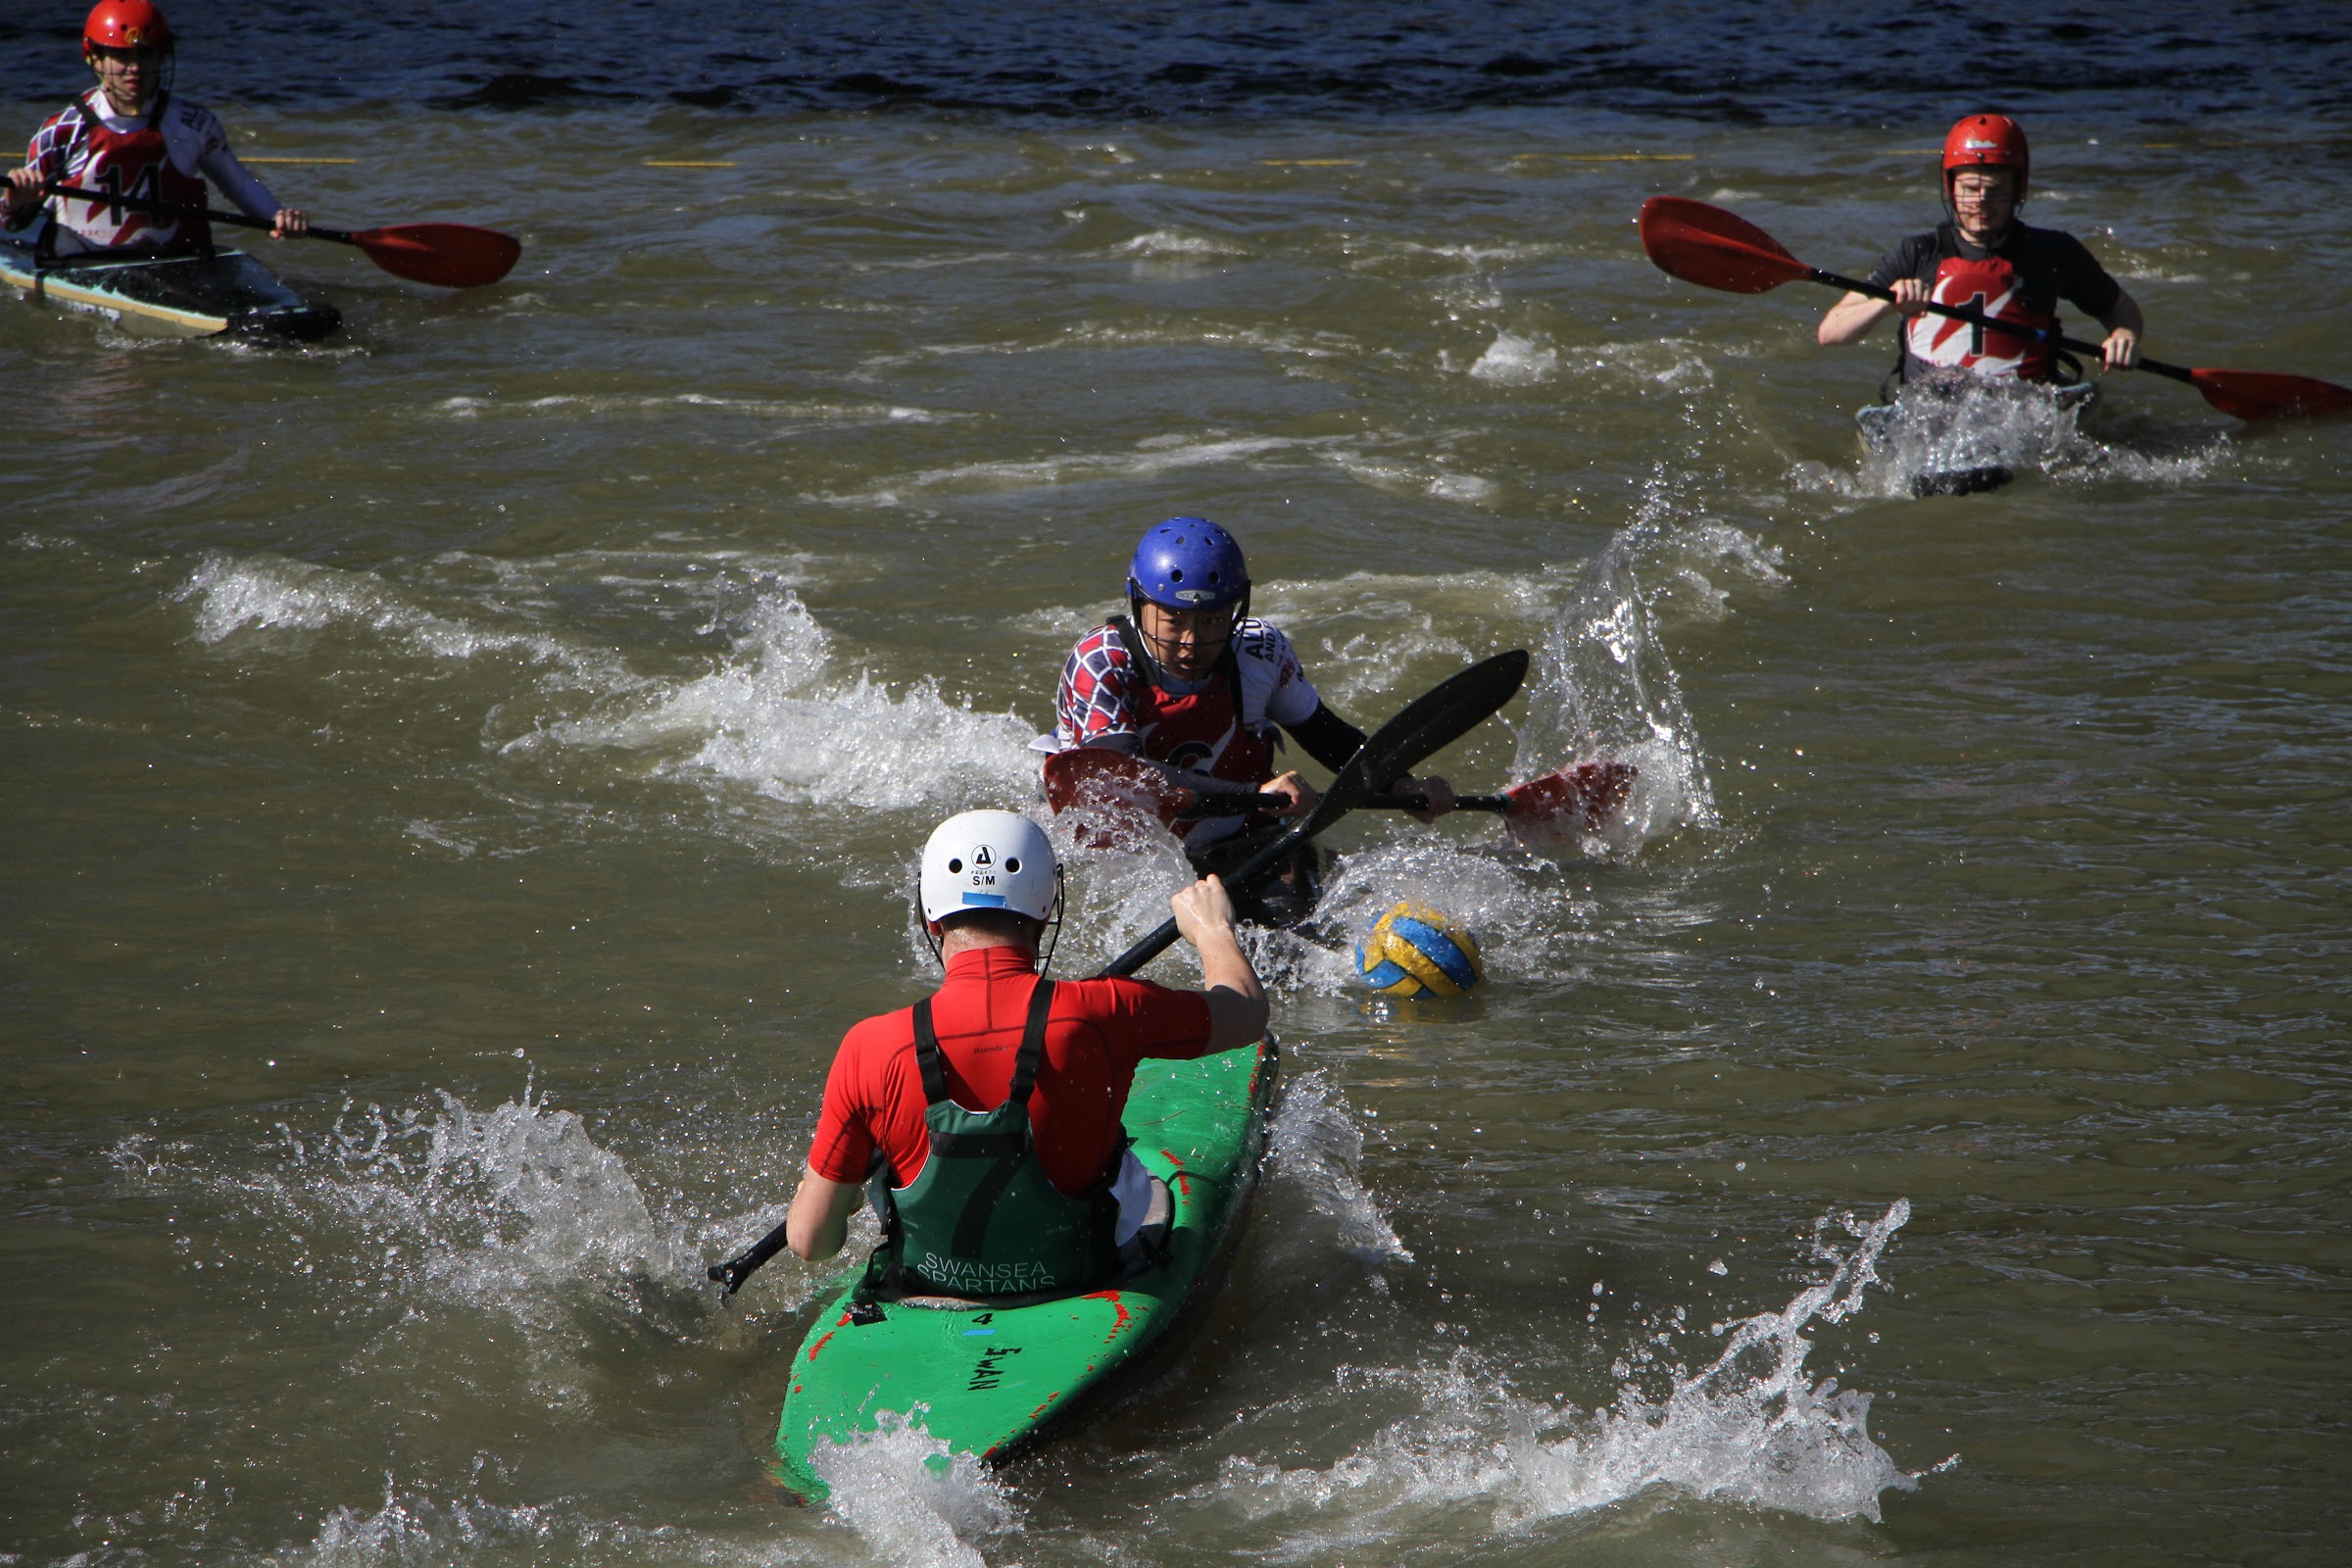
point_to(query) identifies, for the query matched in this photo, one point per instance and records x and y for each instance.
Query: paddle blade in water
(1430, 722)
(1565, 803)
(1111, 785)
(2265, 395)
(1714, 249)
(446, 255)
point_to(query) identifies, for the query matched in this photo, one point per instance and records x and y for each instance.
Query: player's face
(128, 76)
(1984, 199)
(1188, 643)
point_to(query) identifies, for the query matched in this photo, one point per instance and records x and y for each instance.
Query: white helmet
(990, 861)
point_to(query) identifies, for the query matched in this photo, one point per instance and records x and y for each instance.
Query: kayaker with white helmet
(990, 1110)
(1982, 256)
(1191, 681)
(131, 135)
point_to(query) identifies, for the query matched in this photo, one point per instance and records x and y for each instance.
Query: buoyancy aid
(982, 1218)
(1996, 286)
(1202, 731)
(136, 163)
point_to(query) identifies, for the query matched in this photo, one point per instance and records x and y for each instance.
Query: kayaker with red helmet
(131, 135)
(990, 1110)
(1190, 680)
(1982, 256)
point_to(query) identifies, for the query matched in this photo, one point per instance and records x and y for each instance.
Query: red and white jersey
(1993, 286)
(164, 155)
(2018, 283)
(1104, 700)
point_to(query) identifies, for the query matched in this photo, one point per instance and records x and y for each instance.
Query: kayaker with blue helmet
(130, 135)
(989, 1112)
(1191, 681)
(1982, 256)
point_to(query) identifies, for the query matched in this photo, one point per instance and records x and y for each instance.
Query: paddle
(1431, 721)
(1440, 716)
(1093, 775)
(448, 255)
(1714, 249)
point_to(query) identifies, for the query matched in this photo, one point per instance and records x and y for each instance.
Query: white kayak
(176, 296)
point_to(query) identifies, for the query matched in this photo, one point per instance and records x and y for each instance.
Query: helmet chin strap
(1052, 932)
(1951, 207)
(1135, 618)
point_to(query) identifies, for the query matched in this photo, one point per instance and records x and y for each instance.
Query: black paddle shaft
(735, 1270)
(151, 204)
(1434, 720)
(1976, 317)
(1242, 805)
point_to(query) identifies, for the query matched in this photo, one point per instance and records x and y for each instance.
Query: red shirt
(1098, 1032)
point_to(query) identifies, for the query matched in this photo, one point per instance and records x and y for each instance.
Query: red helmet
(1989, 141)
(126, 24)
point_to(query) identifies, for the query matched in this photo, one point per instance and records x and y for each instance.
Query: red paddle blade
(1576, 800)
(448, 255)
(1714, 249)
(1112, 783)
(2264, 395)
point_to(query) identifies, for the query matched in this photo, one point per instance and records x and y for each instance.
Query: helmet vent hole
(1012, 865)
(955, 866)
(1177, 575)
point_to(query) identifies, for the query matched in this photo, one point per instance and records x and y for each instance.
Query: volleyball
(1414, 952)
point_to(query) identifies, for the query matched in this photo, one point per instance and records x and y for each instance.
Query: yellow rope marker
(687, 163)
(1607, 158)
(1312, 162)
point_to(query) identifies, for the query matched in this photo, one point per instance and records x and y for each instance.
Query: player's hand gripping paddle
(1430, 723)
(1715, 249)
(448, 255)
(1442, 716)
(1574, 799)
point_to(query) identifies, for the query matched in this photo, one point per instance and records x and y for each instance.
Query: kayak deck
(183, 296)
(990, 1380)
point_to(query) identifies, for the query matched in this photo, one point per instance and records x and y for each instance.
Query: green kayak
(991, 1380)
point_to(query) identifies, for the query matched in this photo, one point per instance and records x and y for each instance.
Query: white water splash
(570, 404)
(916, 1504)
(1176, 242)
(1606, 688)
(1315, 1154)
(1950, 427)
(411, 1528)
(1750, 1427)
(1515, 361)
(1526, 924)
(234, 593)
(776, 716)
(1151, 456)
(1122, 867)
(503, 1209)
(1652, 365)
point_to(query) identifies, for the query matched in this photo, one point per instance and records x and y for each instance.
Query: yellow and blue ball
(1414, 951)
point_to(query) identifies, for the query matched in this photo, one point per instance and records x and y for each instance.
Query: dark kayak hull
(992, 1381)
(1958, 435)
(227, 293)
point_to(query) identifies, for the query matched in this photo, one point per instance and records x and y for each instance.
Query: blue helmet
(1189, 563)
